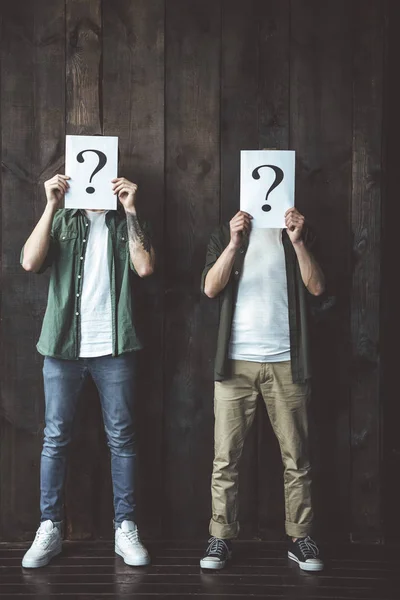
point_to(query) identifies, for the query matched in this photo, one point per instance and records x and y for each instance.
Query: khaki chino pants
(235, 406)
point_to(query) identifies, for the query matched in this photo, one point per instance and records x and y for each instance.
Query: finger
(288, 222)
(60, 182)
(295, 217)
(59, 185)
(296, 223)
(292, 212)
(242, 215)
(295, 214)
(118, 186)
(241, 219)
(63, 176)
(59, 178)
(240, 227)
(239, 224)
(290, 225)
(122, 181)
(58, 188)
(121, 188)
(124, 190)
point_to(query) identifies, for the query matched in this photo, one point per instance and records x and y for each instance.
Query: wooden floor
(258, 569)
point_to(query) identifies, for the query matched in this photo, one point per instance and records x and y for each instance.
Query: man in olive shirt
(266, 281)
(88, 330)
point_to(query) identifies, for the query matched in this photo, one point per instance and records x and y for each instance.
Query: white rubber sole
(306, 566)
(215, 565)
(36, 564)
(137, 562)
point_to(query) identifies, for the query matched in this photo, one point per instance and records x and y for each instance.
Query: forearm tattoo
(136, 233)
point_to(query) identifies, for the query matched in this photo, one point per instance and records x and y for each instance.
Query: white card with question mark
(267, 182)
(91, 161)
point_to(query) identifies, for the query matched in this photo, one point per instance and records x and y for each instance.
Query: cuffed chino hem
(298, 531)
(227, 531)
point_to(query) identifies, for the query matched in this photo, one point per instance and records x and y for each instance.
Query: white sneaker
(129, 546)
(47, 543)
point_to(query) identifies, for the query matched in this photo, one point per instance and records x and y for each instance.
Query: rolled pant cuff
(227, 531)
(298, 531)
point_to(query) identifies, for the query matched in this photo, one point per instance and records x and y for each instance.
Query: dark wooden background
(186, 84)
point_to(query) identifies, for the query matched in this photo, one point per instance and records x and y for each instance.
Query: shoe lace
(308, 547)
(42, 538)
(132, 536)
(217, 546)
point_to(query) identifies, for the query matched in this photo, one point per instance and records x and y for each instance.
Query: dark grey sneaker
(217, 554)
(305, 552)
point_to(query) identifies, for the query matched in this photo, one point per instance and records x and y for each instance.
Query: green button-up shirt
(299, 303)
(61, 330)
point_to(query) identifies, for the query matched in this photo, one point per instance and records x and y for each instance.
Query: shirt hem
(274, 358)
(64, 357)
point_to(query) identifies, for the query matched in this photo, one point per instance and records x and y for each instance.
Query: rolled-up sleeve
(214, 251)
(322, 305)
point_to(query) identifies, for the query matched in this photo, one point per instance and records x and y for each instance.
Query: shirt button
(241, 252)
(79, 276)
(87, 224)
(81, 257)
(63, 237)
(77, 295)
(84, 241)
(236, 272)
(77, 314)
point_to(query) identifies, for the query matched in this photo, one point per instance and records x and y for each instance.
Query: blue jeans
(63, 381)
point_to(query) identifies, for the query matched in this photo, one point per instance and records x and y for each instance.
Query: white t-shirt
(260, 327)
(96, 325)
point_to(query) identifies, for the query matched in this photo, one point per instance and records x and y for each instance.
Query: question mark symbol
(101, 163)
(278, 179)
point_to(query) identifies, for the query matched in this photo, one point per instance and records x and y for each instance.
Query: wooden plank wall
(366, 512)
(186, 85)
(321, 133)
(390, 438)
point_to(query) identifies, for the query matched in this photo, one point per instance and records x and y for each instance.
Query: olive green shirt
(60, 335)
(300, 300)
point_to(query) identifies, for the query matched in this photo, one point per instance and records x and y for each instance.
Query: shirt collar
(119, 211)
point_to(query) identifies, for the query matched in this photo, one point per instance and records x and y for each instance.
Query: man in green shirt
(88, 330)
